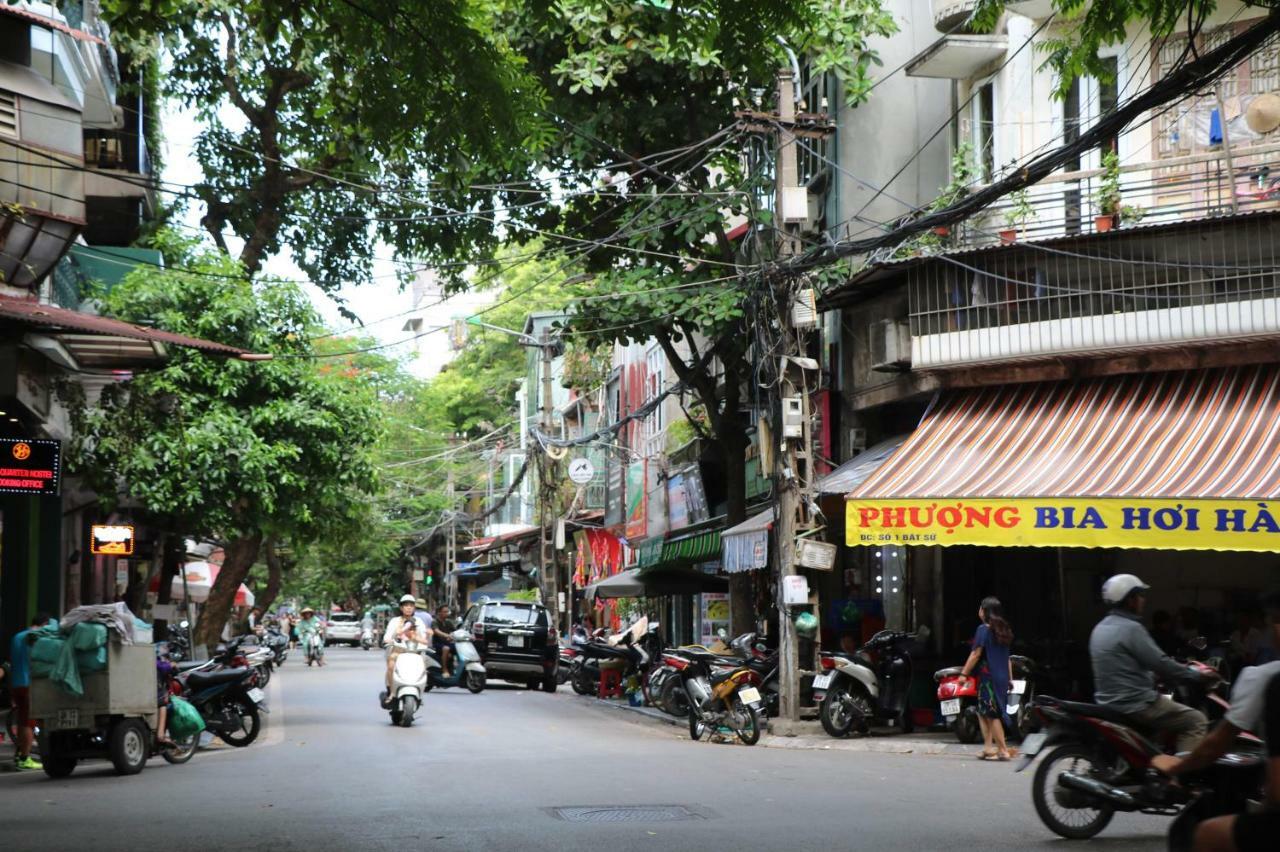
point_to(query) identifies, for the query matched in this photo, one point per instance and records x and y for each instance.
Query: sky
(381, 305)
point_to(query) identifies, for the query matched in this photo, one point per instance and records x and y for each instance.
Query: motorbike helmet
(404, 599)
(1119, 587)
(806, 625)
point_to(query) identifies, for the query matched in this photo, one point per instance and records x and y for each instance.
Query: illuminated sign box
(30, 466)
(111, 540)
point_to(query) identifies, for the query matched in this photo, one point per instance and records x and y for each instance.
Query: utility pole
(790, 480)
(549, 579)
(451, 541)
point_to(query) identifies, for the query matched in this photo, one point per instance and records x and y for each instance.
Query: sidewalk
(810, 735)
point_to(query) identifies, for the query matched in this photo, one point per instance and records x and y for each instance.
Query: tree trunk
(275, 569)
(240, 556)
(170, 565)
(733, 452)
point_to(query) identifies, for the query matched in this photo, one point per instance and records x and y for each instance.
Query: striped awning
(1146, 460)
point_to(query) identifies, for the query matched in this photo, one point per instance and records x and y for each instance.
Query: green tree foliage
(305, 105)
(628, 81)
(232, 451)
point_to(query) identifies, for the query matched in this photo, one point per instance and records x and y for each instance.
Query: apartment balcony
(1187, 284)
(41, 212)
(950, 15)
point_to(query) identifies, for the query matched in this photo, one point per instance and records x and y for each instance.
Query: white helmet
(404, 599)
(1117, 588)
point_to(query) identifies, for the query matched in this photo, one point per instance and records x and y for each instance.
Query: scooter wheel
(1064, 819)
(474, 682)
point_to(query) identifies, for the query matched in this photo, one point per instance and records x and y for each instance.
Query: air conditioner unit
(857, 441)
(890, 341)
(804, 310)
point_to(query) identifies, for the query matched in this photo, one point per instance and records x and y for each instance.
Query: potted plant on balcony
(963, 174)
(1107, 198)
(1016, 217)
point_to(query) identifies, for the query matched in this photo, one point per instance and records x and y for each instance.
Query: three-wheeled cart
(114, 719)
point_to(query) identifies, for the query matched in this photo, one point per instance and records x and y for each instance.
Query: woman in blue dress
(989, 660)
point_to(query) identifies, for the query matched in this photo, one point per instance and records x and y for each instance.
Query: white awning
(746, 546)
(958, 57)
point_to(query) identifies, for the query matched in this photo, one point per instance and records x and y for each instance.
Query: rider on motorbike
(408, 626)
(1126, 661)
(309, 625)
(1255, 707)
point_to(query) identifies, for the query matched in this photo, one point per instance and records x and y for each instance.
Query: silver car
(343, 627)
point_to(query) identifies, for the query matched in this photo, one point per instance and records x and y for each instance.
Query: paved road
(484, 771)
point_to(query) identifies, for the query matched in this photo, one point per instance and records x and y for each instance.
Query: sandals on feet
(987, 755)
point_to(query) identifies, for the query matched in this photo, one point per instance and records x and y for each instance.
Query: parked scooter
(720, 696)
(229, 699)
(636, 650)
(468, 669)
(958, 701)
(408, 682)
(870, 685)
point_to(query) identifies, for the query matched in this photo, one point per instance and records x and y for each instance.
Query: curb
(892, 744)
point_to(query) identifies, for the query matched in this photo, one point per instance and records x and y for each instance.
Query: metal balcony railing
(1192, 281)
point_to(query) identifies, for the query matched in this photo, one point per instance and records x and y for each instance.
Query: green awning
(702, 547)
(108, 265)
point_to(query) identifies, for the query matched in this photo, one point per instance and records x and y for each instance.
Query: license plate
(256, 695)
(951, 707)
(1017, 687)
(68, 718)
(1033, 743)
(749, 695)
(515, 641)
(822, 681)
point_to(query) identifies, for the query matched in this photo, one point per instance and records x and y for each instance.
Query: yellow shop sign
(1169, 524)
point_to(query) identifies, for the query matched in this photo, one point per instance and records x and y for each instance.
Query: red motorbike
(958, 701)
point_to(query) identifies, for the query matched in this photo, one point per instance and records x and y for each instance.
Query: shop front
(693, 551)
(1037, 492)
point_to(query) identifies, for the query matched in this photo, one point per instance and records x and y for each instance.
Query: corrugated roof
(52, 317)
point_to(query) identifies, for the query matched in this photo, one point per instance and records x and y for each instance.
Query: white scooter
(408, 681)
(468, 669)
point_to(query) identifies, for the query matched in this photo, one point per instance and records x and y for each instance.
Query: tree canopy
(230, 450)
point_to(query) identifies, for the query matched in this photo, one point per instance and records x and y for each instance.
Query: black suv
(516, 642)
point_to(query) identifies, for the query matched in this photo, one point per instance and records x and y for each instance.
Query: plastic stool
(610, 683)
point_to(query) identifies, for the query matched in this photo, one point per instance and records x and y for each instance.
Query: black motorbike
(856, 690)
(634, 656)
(225, 691)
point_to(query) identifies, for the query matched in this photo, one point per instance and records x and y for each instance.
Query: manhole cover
(628, 813)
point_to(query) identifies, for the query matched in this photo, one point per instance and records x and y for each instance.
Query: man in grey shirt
(1126, 662)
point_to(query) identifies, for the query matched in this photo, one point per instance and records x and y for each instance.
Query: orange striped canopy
(1211, 433)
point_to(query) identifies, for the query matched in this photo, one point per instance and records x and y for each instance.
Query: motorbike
(228, 699)
(367, 639)
(567, 655)
(278, 642)
(1095, 763)
(313, 647)
(468, 669)
(958, 701)
(635, 650)
(869, 685)
(720, 695)
(409, 678)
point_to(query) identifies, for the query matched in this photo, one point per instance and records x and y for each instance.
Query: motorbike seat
(1097, 711)
(718, 677)
(188, 665)
(951, 671)
(201, 680)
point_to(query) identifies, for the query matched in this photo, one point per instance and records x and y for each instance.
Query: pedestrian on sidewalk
(20, 693)
(989, 661)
